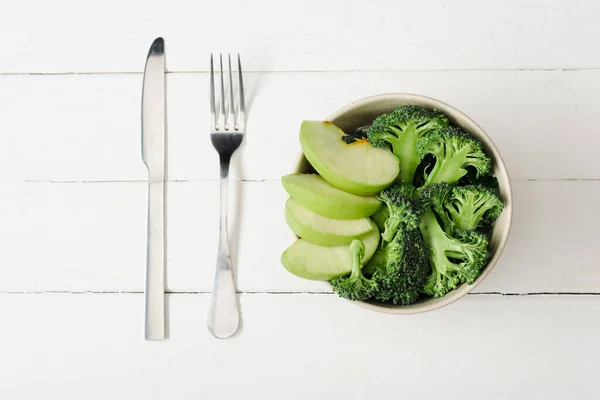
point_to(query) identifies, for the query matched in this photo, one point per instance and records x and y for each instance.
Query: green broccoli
(437, 197)
(356, 286)
(380, 217)
(454, 260)
(472, 207)
(401, 129)
(401, 207)
(401, 267)
(462, 207)
(454, 152)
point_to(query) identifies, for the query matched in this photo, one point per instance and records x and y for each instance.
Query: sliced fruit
(323, 263)
(318, 229)
(357, 168)
(314, 193)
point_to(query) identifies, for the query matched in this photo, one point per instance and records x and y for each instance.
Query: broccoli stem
(447, 169)
(436, 238)
(356, 286)
(409, 161)
(391, 228)
(393, 141)
(357, 255)
(404, 144)
(431, 230)
(468, 216)
(380, 217)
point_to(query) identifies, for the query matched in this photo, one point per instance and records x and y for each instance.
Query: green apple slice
(357, 168)
(323, 263)
(317, 229)
(314, 193)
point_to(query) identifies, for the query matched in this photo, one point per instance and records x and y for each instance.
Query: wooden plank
(312, 35)
(87, 128)
(298, 347)
(73, 236)
(71, 127)
(91, 237)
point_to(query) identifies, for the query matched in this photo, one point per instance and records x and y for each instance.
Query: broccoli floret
(454, 260)
(401, 265)
(401, 208)
(400, 130)
(462, 207)
(356, 286)
(472, 207)
(437, 197)
(401, 268)
(454, 152)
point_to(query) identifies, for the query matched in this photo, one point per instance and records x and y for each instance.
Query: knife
(153, 155)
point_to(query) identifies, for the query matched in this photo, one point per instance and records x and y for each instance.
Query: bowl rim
(464, 289)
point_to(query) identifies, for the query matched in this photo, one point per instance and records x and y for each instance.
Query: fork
(226, 136)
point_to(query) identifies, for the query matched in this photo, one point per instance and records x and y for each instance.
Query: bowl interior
(363, 112)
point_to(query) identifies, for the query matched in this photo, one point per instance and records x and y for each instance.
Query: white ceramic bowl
(363, 112)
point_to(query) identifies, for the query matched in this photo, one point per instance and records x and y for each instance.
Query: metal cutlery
(153, 155)
(227, 127)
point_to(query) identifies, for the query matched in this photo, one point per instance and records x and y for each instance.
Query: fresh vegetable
(431, 219)
(401, 267)
(454, 152)
(472, 207)
(437, 197)
(401, 208)
(323, 263)
(454, 260)
(462, 207)
(380, 217)
(401, 130)
(356, 168)
(355, 286)
(322, 230)
(313, 192)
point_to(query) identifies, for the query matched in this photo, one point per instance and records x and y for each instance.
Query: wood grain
(73, 197)
(91, 237)
(114, 36)
(299, 347)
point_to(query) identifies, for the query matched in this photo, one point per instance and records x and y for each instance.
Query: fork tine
(213, 117)
(222, 113)
(242, 116)
(231, 107)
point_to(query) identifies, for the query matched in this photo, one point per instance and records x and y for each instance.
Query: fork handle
(223, 315)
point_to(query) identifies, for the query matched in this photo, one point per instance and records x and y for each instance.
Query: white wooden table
(73, 196)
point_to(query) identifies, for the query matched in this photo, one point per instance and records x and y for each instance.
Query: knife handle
(155, 267)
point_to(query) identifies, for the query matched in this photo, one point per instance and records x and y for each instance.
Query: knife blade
(153, 155)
